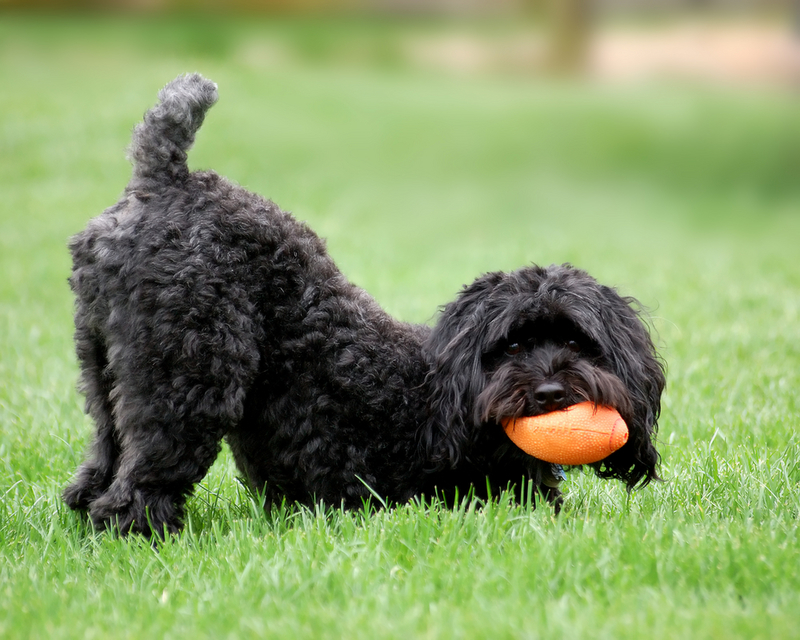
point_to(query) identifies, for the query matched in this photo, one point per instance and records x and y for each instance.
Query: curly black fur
(205, 312)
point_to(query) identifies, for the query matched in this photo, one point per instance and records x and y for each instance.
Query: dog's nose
(550, 396)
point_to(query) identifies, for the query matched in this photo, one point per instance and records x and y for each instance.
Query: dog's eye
(573, 346)
(513, 349)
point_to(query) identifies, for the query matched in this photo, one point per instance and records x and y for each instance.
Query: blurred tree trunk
(569, 25)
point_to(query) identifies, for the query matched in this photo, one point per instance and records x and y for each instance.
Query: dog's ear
(627, 345)
(454, 350)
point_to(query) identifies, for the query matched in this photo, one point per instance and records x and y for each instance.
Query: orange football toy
(580, 434)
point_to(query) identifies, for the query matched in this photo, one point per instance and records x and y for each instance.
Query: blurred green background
(429, 149)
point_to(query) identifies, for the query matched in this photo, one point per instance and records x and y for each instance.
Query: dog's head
(533, 341)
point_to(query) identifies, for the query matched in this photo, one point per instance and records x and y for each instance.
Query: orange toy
(580, 434)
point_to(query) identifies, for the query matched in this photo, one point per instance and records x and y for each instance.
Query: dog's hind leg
(180, 385)
(96, 473)
(160, 462)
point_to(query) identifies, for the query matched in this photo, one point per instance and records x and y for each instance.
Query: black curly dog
(205, 312)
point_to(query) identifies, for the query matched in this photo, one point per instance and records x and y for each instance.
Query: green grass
(686, 197)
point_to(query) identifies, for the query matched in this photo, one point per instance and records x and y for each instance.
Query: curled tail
(159, 144)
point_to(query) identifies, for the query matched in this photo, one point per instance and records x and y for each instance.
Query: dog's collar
(553, 477)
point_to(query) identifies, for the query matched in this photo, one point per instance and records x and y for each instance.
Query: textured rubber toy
(580, 434)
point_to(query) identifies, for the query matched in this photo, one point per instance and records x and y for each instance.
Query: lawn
(686, 197)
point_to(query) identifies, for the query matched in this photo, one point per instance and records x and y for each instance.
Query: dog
(204, 312)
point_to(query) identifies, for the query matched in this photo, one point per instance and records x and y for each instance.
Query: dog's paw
(88, 485)
(133, 511)
(77, 496)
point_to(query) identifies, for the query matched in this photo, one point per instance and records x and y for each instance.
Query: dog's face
(534, 341)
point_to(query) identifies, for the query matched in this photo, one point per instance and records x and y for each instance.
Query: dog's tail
(159, 145)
